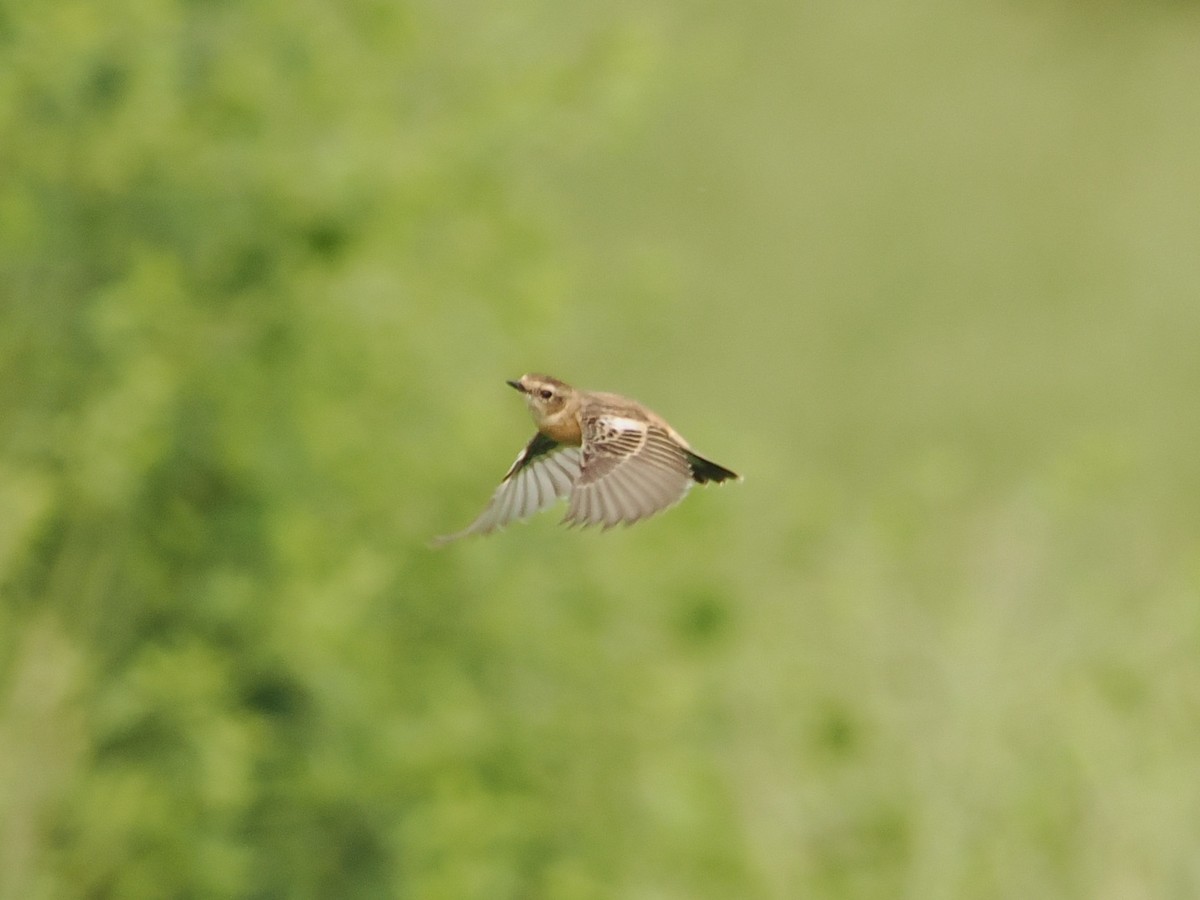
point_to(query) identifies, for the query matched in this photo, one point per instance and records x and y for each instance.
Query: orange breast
(565, 430)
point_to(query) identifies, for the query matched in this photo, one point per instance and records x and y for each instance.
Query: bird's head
(544, 395)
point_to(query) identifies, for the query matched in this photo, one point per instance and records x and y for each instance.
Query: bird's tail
(704, 471)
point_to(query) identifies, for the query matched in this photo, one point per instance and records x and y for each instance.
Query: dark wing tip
(704, 471)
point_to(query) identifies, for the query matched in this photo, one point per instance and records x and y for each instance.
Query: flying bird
(615, 460)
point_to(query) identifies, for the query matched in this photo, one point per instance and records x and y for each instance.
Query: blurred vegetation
(926, 273)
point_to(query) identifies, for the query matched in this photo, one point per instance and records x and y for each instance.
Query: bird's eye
(546, 393)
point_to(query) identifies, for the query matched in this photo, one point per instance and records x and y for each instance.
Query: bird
(616, 461)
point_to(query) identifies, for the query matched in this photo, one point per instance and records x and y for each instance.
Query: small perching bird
(615, 460)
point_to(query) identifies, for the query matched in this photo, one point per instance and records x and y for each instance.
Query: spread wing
(630, 470)
(542, 472)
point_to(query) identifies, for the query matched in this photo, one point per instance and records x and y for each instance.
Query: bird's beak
(517, 385)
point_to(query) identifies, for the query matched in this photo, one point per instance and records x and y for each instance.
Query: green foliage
(926, 275)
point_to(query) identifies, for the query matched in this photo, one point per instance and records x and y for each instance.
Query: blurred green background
(926, 273)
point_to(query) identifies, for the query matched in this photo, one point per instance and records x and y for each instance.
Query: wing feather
(542, 473)
(630, 469)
